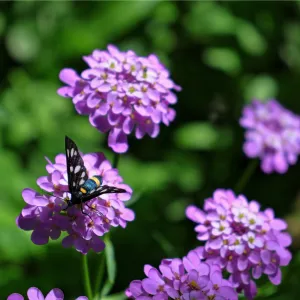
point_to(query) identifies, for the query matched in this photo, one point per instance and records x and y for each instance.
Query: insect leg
(94, 209)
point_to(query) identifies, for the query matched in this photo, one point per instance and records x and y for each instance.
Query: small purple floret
(242, 239)
(183, 279)
(45, 215)
(272, 135)
(122, 92)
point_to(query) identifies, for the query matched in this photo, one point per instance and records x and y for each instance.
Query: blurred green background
(222, 54)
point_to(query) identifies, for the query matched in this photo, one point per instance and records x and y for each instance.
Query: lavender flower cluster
(45, 216)
(122, 92)
(242, 239)
(272, 134)
(35, 294)
(187, 278)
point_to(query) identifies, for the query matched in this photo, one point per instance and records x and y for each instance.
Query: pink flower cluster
(182, 279)
(45, 215)
(272, 134)
(35, 294)
(122, 92)
(242, 239)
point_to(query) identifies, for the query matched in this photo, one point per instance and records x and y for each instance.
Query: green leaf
(110, 260)
(162, 37)
(106, 288)
(15, 244)
(10, 273)
(111, 266)
(14, 180)
(250, 39)
(196, 136)
(202, 136)
(23, 43)
(224, 59)
(152, 175)
(129, 14)
(166, 13)
(266, 290)
(191, 176)
(175, 211)
(262, 87)
(208, 18)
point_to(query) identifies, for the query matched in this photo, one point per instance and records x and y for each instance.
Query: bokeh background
(223, 54)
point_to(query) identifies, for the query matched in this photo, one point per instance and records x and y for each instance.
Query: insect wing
(104, 189)
(77, 174)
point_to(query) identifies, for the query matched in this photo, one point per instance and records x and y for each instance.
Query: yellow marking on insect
(96, 180)
(83, 190)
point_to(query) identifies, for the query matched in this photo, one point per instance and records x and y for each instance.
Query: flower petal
(35, 294)
(55, 294)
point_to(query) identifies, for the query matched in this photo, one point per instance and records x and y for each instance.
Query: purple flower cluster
(44, 214)
(273, 135)
(186, 279)
(35, 294)
(242, 239)
(122, 92)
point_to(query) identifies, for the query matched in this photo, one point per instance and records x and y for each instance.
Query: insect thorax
(76, 198)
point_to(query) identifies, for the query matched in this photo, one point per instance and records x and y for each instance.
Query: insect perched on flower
(89, 189)
(81, 187)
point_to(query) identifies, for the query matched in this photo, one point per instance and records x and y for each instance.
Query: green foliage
(224, 59)
(111, 266)
(262, 87)
(250, 39)
(235, 50)
(202, 136)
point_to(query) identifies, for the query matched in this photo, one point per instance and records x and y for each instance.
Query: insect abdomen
(91, 184)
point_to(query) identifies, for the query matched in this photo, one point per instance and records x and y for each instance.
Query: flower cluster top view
(45, 214)
(189, 278)
(242, 239)
(272, 134)
(122, 92)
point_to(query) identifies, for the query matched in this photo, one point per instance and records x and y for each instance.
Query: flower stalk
(86, 275)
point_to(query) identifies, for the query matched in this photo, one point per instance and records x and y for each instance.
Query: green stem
(249, 171)
(100, 274)
(116, 160)
(86, 274)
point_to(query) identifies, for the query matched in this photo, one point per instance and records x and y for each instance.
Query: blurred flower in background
(122, 92)
(187, 278)
(35, 294)
(241, 238)
(43, 213)
(272, 135)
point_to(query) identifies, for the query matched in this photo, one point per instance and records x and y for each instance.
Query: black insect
(81, 187)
